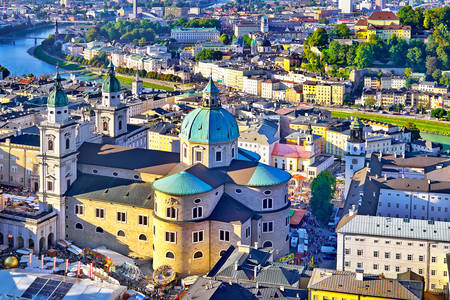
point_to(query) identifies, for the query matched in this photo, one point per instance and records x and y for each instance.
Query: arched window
(78, 226)
(267, 244)
(67, 143)
(105, 126)
(121, 233)
(232, 152)
(142, 237)
(198, 254)
(99, 229)
(50, 145)
(120, 124)
(169, 254)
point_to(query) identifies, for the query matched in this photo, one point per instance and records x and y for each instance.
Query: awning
(297, 216)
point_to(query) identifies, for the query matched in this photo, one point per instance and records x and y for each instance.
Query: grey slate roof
(206, 288)
(24, 139)
(396, 227)
(114, 156)
(371, 285)
(113, 190)
(266, 273)
(230, 210)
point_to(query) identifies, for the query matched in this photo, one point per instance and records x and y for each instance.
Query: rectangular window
(267, 203)
(410, 257)
(398, 256)
(347, 251)
(359, 252)
(267, 226)
(387, 255)
(433, 272)
(359, 265)
(143, 220)
(79, 209)
(198, 156)
(197, 212)
(433, 259)
(171, 237)
(397, 269)
(375, 253)
(386, 268)
(247, 232)
(171, 212)
(197, 236)
(420, 271)
(219, 156)
(49, 185)
(375, 266)
(224, 235)
(121, 216)
(100, 213)
(420, 257)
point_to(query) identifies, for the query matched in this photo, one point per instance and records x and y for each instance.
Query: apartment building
(323, 93)
(245, 28)
(252, 85)
(336, 139)
(194, 35)
(388, 246)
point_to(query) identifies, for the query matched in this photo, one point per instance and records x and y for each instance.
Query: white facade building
(388, 246)
(194, 35)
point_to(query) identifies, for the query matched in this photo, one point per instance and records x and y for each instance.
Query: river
(14, 55)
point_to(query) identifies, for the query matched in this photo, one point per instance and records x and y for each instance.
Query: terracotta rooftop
(383, 15)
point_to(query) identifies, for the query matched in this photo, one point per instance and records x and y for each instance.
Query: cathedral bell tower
(58, 154)
(111, 114)
(356, 153)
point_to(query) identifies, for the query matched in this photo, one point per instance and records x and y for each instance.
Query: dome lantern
(57, 97)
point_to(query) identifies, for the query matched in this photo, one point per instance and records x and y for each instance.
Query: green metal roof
(210, 87)
(205, 125)
(57, 97)
(265, 175)
(111, 84)
(181, 184)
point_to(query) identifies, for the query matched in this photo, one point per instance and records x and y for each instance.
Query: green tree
(324, 21)
(321, 195)
(364, 56)
(342, 31)
(431, 64)
(415, 58)
(225, 38)
(247, 40)
(5, 71)
(92, 34)
(370, 101)
(318, 38)
(438, 113)
(207, 54)
(415, 132)
(408, 72)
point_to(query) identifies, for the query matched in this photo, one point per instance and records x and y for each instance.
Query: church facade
(182, 209)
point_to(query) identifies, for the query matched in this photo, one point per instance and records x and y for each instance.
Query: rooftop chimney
(359, 275)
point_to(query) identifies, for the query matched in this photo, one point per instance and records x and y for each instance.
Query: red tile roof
(292, 151)
(383, 15)
(361, 22)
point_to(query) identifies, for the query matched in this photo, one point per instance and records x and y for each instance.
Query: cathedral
(180, 209)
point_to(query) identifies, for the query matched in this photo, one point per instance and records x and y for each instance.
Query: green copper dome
(57, 96)
(205, 125)
(181, 184)
(111, 84)
(265, 175)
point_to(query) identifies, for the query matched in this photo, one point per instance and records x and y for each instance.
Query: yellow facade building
(382, 24)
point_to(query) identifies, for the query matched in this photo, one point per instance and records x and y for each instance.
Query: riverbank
(22, 28)
(39, 53)
(436, 127)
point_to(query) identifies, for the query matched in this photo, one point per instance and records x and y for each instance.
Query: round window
(197, 201)
(238, 191)
(267, 192)
(115, 174)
